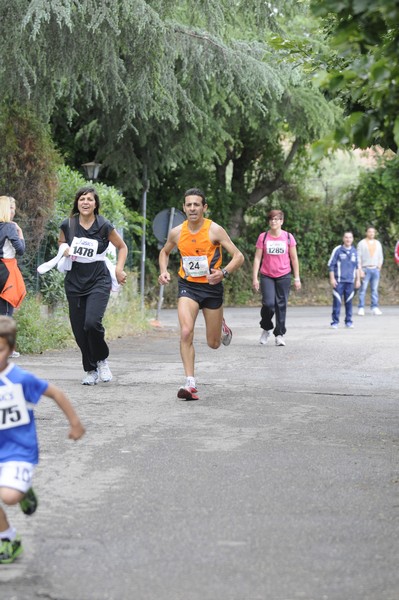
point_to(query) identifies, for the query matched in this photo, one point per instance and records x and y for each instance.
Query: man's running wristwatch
(226, 274)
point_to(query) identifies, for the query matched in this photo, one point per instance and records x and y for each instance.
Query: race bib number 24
(195, 266)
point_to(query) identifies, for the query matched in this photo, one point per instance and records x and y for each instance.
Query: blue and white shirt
(343, 262)
(19, 391)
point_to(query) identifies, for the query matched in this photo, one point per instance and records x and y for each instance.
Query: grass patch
(40, 329)
(123, 315)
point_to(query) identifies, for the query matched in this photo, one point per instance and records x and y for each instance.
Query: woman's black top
(85, 278)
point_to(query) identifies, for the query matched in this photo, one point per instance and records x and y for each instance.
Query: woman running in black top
(88, 283)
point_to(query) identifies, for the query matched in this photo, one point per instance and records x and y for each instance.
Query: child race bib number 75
(13, 409)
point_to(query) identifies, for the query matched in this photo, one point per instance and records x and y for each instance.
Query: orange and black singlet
(198, 254)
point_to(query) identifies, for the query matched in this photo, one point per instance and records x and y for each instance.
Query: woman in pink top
(274, 256)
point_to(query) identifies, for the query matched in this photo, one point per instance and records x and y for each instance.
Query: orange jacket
(14, 290)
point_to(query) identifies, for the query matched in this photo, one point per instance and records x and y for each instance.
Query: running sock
(8, 534)
(190, 382)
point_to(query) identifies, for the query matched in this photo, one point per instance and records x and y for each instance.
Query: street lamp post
(146, 185)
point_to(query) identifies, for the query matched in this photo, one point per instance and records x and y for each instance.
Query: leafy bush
(52, 289)
(375, 202)
(238, 288)
(123, 315)
(38, 331)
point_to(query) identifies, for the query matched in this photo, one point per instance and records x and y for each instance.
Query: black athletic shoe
(29, 502)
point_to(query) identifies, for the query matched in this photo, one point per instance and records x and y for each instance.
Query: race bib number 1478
(83, 248)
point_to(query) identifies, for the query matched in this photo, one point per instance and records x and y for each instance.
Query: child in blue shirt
(344, 278)
(19, 452)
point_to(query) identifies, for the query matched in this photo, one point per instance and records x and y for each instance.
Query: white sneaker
(15, 354)
(91, 378)
(360, 312)
(376, 311)
(280, 340)
(227, 334)
(104, 371)
(264, 338)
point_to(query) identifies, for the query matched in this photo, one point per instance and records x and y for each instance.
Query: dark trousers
(275, 292)
(344, 291)
(86, 314)
(6, 308)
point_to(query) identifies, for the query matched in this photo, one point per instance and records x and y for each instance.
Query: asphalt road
(280, 483)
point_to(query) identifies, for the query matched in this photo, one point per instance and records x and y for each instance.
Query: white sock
(8, 534)
(190, 382)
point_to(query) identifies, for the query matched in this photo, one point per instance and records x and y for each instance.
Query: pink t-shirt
(276, 259)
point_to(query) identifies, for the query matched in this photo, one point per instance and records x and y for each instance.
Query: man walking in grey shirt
(370, 259)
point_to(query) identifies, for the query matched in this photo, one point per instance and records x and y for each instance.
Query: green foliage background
(242, 103)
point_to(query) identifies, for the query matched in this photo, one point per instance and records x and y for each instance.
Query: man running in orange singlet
(199, 241)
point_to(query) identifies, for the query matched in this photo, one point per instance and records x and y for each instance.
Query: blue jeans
(344, 291)
(372, 276)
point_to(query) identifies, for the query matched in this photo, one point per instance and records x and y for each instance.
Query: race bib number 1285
(275, 247)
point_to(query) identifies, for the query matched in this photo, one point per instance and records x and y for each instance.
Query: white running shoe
(280, 340)
(227, 334)
(360, 312)
(104, 371)
(15, 354)
(264, 338)
(376, 311)
(91, 378)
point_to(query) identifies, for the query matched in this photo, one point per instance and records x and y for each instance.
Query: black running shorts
(207, 296)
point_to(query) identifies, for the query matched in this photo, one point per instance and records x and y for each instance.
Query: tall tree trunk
(236, 222)
(263, 189)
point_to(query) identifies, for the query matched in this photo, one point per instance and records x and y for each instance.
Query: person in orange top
(200, 242)
(12, 244)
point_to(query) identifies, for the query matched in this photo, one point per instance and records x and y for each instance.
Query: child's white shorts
(16, 475)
